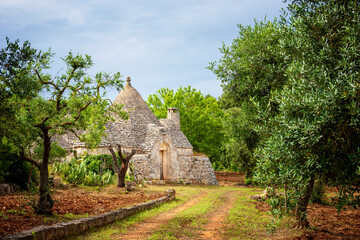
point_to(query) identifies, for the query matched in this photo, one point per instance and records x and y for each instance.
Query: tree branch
(46, 82)
(116, 164)
(28, 159)
(61, 91)
(120, 152)
(76, 135)
(131, 154)
(77, 89)
(77, 116)
(41, 125)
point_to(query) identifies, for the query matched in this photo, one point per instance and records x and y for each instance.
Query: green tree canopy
(317, 125)
(250, 69)
(17, 82)
(200, 117)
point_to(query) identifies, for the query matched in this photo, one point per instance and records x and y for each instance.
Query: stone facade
(163, 151)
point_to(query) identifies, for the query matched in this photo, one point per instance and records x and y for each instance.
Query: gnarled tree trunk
(301, 208)
(45, 203)
(124, 159)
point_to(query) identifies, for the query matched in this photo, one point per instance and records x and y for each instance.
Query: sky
(158, 43)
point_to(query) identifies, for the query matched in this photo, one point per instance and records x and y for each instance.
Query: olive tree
(312, 119)
(317, 132)
(70, 103)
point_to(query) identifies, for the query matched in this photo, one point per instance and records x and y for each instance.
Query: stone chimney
(173, 114)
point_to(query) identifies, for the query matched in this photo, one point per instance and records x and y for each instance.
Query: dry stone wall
(142, 168)
(189, 169)
(196, 169)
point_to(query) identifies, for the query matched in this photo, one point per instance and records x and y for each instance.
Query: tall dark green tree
(250, 69)
(309, 122)
(200, 117)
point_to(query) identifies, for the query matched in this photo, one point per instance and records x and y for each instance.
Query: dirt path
(212, 230)
(144, 229)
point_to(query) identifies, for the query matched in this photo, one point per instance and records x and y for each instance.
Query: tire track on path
(144, 229)
(213, 228)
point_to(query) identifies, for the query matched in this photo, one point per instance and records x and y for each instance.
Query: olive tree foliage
(17, 84)
(200, 117)
(250, 69)
(308, 125)
(317, 132)
(70, 102)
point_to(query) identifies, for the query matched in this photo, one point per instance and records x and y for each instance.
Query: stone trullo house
(162, 150)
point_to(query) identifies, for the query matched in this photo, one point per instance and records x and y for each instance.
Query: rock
(260, 197)
(7, 188)
(130, 183)
(130, 186)
(56, 182)
(170, 192)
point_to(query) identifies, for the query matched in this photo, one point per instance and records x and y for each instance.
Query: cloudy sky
(159, 43)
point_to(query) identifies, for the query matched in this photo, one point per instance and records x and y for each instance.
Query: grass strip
(244, 220)
(186, 224)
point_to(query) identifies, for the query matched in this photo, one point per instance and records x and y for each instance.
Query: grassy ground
(243, 221)
(187, 223)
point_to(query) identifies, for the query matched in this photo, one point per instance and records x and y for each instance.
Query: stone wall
(188, 169)
(184, 151)
(196, 169)
(66, 229)
(142, 168)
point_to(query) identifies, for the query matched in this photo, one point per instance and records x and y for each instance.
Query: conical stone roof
(131, 132)
(139, 131)
(134, 104)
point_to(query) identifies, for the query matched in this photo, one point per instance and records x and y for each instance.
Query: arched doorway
(164, 156)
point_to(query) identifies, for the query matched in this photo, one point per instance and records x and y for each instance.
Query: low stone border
(66, 229)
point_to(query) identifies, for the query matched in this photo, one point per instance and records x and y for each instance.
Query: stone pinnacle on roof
(128, 80)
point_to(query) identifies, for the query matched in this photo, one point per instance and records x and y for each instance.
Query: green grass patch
(244, 220)
(187, 223)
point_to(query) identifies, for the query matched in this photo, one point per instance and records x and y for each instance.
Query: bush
(248, 181)
(15, 170)
(99, 163)
(79, 172)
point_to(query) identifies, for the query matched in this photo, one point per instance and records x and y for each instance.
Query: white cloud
(36, 12)
(160, 43)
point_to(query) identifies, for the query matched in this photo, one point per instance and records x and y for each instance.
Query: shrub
(79, 172)
(15, 170)
(99, 163)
